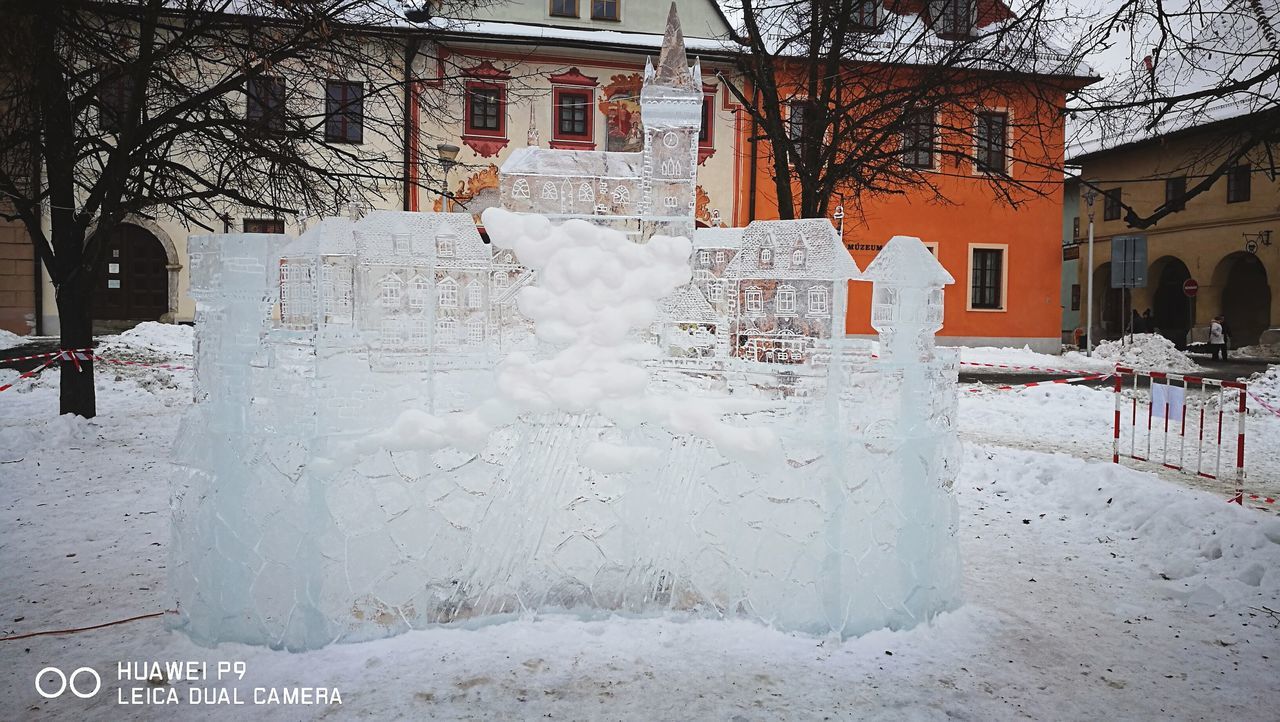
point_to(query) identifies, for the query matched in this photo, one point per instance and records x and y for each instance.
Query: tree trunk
(77, 394)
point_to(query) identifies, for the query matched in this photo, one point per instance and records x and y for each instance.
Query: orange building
(997, 233)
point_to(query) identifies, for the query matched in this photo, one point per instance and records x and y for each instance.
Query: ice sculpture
(398, 425)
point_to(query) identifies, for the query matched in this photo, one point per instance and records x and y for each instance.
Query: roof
(1175, 126)
(717, 237)
(906, 261)
(825, 257)
(687, 305)
(572, 163)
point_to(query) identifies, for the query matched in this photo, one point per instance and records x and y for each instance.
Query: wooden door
(133, 279)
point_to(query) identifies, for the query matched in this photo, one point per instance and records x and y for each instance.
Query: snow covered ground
(1092, 590)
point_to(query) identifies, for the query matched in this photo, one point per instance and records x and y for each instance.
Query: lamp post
(1090, 195)
(448, 154)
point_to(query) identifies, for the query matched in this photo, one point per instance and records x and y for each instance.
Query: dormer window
(952, 19)
(401, 242)
(797, 258)
(766, 256)
(445, 245)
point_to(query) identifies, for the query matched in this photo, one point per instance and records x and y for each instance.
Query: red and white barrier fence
(1182, 409)
(1047, 382)
(75, 356)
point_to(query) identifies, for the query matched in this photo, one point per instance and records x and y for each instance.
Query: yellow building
(1225, 239)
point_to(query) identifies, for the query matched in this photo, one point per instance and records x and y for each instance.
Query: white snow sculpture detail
(663, 443)
(520, 189)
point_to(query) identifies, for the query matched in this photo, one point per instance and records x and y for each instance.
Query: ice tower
(640, 193)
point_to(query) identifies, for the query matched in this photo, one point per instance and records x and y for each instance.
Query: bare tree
(185, 108)
(1186, 63)
(857, 98)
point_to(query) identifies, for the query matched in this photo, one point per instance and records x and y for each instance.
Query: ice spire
(531, 139)
(673, 64)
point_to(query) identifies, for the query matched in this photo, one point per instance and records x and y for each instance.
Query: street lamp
(1090, 195)
(448, 155)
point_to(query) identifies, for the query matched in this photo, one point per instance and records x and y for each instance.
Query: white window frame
(785, 294)
(389, 290)
(721, 256)
(474, 295)
(447, 329)
(704, 257)
(754, 300)
(473, 326)
(823, 296)
(447, 293)
(419, 291)
(1004, 278)
(446, 245)
(717, 292)
(1008, 140)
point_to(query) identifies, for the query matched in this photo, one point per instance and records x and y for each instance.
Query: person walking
(1217, 339)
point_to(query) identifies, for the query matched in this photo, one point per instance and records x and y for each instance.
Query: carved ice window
(501, 279)
(766, 256)
(475, 332)
(717, 293)
(446, 330)
(786, 299)
(419, 287)
(621, 195)
(604, 186)
(390, 333)
(670, 139)
(704, 257)
(720, 256)
(549, 192)
(797, 257)
(670, 202)
(473, 295)
(670, 167)
(445, 244)
(817, 300)
(449, 293)
(389, 290)
(401, 242)
(520, 189)
(420, 335)
(755, 300)
(585, 194)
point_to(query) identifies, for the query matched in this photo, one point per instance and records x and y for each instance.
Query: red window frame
(501, 131)
(587, 96)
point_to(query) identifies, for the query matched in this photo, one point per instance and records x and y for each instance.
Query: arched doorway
(1108, 305)
(1170, 307)
(132, 283)
(1246, 296)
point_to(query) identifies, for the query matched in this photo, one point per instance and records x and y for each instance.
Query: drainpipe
(755, 134)
(410, 123)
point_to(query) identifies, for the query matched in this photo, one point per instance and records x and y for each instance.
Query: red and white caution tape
(119, 362)
(75, 356)
(32, 372)
(1264, 404)
(1240, 497)
(1041, 369)
(1077, 379)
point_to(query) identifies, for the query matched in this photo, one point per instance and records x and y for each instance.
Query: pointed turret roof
(906, 261)
(673, 63)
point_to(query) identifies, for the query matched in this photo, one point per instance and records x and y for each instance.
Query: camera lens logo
(52, 682)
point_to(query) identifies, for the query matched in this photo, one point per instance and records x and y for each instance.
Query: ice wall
(331, 495)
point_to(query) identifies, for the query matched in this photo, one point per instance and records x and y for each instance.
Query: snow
(1092, 591)
(9, 339)
(1265, 385)
(1263, 351)
(1146, 351)
(164, 338)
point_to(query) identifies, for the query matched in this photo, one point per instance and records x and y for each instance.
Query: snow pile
(1146, 351)
(170, 339)
(9, 340)
(1267, 351)
(1265, 385)
(1024, 357)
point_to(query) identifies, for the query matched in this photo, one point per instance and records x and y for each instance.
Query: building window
(817, 300)
(796, 117)
(766, 256)
(485, 112)
(474, 295)
(419, 287)
(263, 225)
(1075, 297)
(670, 202)
(987, 279)
(445, 245)
(389, 288)
(265, 107)
(705, 133)
(704, 258)
(604, 9)
(446, 330)
(864, 15)
(917, 138)
(1075, 228)
(390, 333)
(520, 189)
(1238, 178)
(564, 8)
(953, 19)
(797, 258)
(786, 299)
(419, 336)
(621, 196)
(343, 111)
(115, 94)
(991, 142)
(475, 332)
(717, 293)
(449, 293)
(1111, 205)
(573, 114)
(721, 256)
(755, 300)
(1174, 190)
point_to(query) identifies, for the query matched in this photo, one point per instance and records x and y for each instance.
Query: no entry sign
(1190, 287)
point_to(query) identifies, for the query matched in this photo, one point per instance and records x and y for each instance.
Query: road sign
(1129, 262)
(1190, 288)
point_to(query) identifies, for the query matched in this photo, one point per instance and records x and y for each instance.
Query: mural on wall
(706, 216)
(474, 193)
(620, 104)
